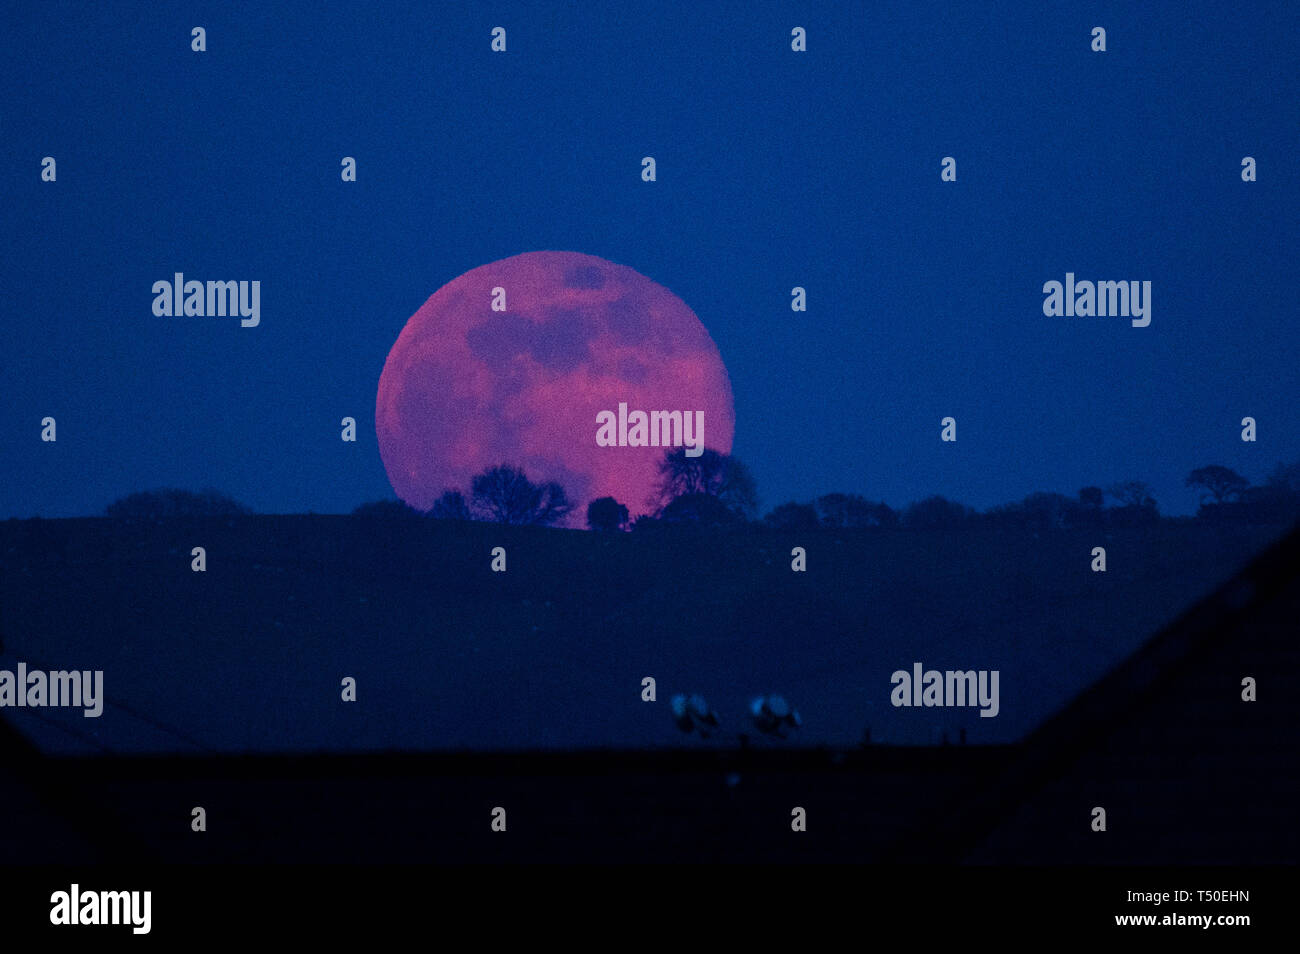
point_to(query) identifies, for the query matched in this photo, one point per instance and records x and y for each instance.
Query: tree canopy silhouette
(606, 514)
(1277, 500)
(1132, 493)
(936, 511)
(711, 473)
(853, 510)
(792, 516)
(1042, 511)
(1135, 504)
(504, 494)
(1092, 498)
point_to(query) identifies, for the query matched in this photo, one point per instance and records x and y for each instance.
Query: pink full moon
(467, 387)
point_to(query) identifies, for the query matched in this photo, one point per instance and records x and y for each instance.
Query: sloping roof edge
(1106, 705)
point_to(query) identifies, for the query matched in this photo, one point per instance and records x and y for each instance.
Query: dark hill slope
(249, 655)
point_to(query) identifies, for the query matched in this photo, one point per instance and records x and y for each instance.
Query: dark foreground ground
(1158, 734)
(249, 656)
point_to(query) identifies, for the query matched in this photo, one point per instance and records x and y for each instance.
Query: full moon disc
(512, 362)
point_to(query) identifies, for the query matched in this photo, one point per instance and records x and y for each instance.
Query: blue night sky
(775, 169)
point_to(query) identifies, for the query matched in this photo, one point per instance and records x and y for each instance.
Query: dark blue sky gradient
(775, 169)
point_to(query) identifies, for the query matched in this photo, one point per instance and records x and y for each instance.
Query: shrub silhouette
(452, 505)
(853, 510)
(703, 509)
(1040, 511)
(1092, 498)
(1135, 505)
(606, 514)
(171, 502)
(793, 516)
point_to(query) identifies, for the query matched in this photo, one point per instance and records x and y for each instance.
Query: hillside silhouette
(249, 655)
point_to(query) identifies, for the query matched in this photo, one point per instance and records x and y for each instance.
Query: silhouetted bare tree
(504, 494)
(1135, 505)
(1220, 484)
